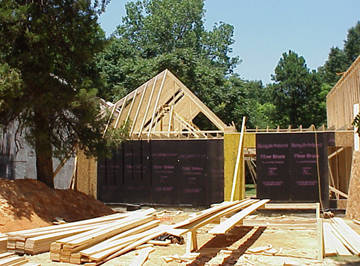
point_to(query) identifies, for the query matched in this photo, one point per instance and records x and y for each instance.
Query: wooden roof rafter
(164, 107)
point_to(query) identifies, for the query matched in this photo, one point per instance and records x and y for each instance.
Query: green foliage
(48, 77)
(169, 34)
(297, 93)
(339, 60)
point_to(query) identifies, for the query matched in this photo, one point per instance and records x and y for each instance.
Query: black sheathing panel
(287, 166)
(164, 172)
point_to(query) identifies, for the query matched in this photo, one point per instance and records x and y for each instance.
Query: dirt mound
(26, 204)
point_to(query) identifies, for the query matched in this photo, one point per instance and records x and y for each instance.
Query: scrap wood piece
(259, 249)
(160, 242)
(181, 259)
(225, 226)
(142, 257)
(349, 237)
(356, 221)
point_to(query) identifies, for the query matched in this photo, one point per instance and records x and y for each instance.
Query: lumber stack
(35, 241)
(340, 239)
(108, 241)
(3, 242)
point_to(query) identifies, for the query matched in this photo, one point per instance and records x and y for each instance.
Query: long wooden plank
(114, 233)
(349, 235)
(40, 244)
(121, 244)
(12, 260)
(333, 246)
(225, 226)
(195, 226)
(68, 225)
(23, 237)
(135, 244)
(103, 233)
(344, 239)
(105, 244)
(207, 213)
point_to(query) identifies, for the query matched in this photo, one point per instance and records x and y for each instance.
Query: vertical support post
(191, 242)
(238, 159)
(356, 136)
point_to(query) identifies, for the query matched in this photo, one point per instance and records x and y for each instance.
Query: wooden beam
(130, 109)
(109, 121)
(240, 147)
(227, 225)
(335, 153)
(120, 113)
(147, 106)
(157, 102)
(338, 192)
(204, 109)
(170, 118)
(138, 108)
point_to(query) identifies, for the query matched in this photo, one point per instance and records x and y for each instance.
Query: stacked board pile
(10, 259)
(340, 239)
(109, 241)
(101, 239)
(35, 241)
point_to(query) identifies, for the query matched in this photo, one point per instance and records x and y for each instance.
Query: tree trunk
(43, 149)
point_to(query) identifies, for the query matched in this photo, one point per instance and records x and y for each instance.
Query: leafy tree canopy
(48, 77)
(296, 93)
(160, 34)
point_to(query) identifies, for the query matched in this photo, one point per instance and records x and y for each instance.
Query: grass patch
(250, 190)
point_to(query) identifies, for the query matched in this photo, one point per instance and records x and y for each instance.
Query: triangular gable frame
(163, 107)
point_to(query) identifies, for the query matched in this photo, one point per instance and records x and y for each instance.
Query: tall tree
(159, 34)
(296, 93)
(339, 60)
(48, 78)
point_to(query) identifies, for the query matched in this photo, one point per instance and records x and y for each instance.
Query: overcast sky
(264, 29)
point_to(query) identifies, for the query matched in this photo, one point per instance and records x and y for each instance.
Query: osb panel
(86, 175)
(345, 139)
(342, 97)
(353, 203)
(231, 143)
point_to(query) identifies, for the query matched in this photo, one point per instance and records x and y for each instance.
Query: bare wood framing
(131, 106)
(157, 102)
(147, 106)
(335, 153)
(121, 110)
(138, 108)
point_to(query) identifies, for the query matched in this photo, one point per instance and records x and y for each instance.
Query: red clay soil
(26, 204)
